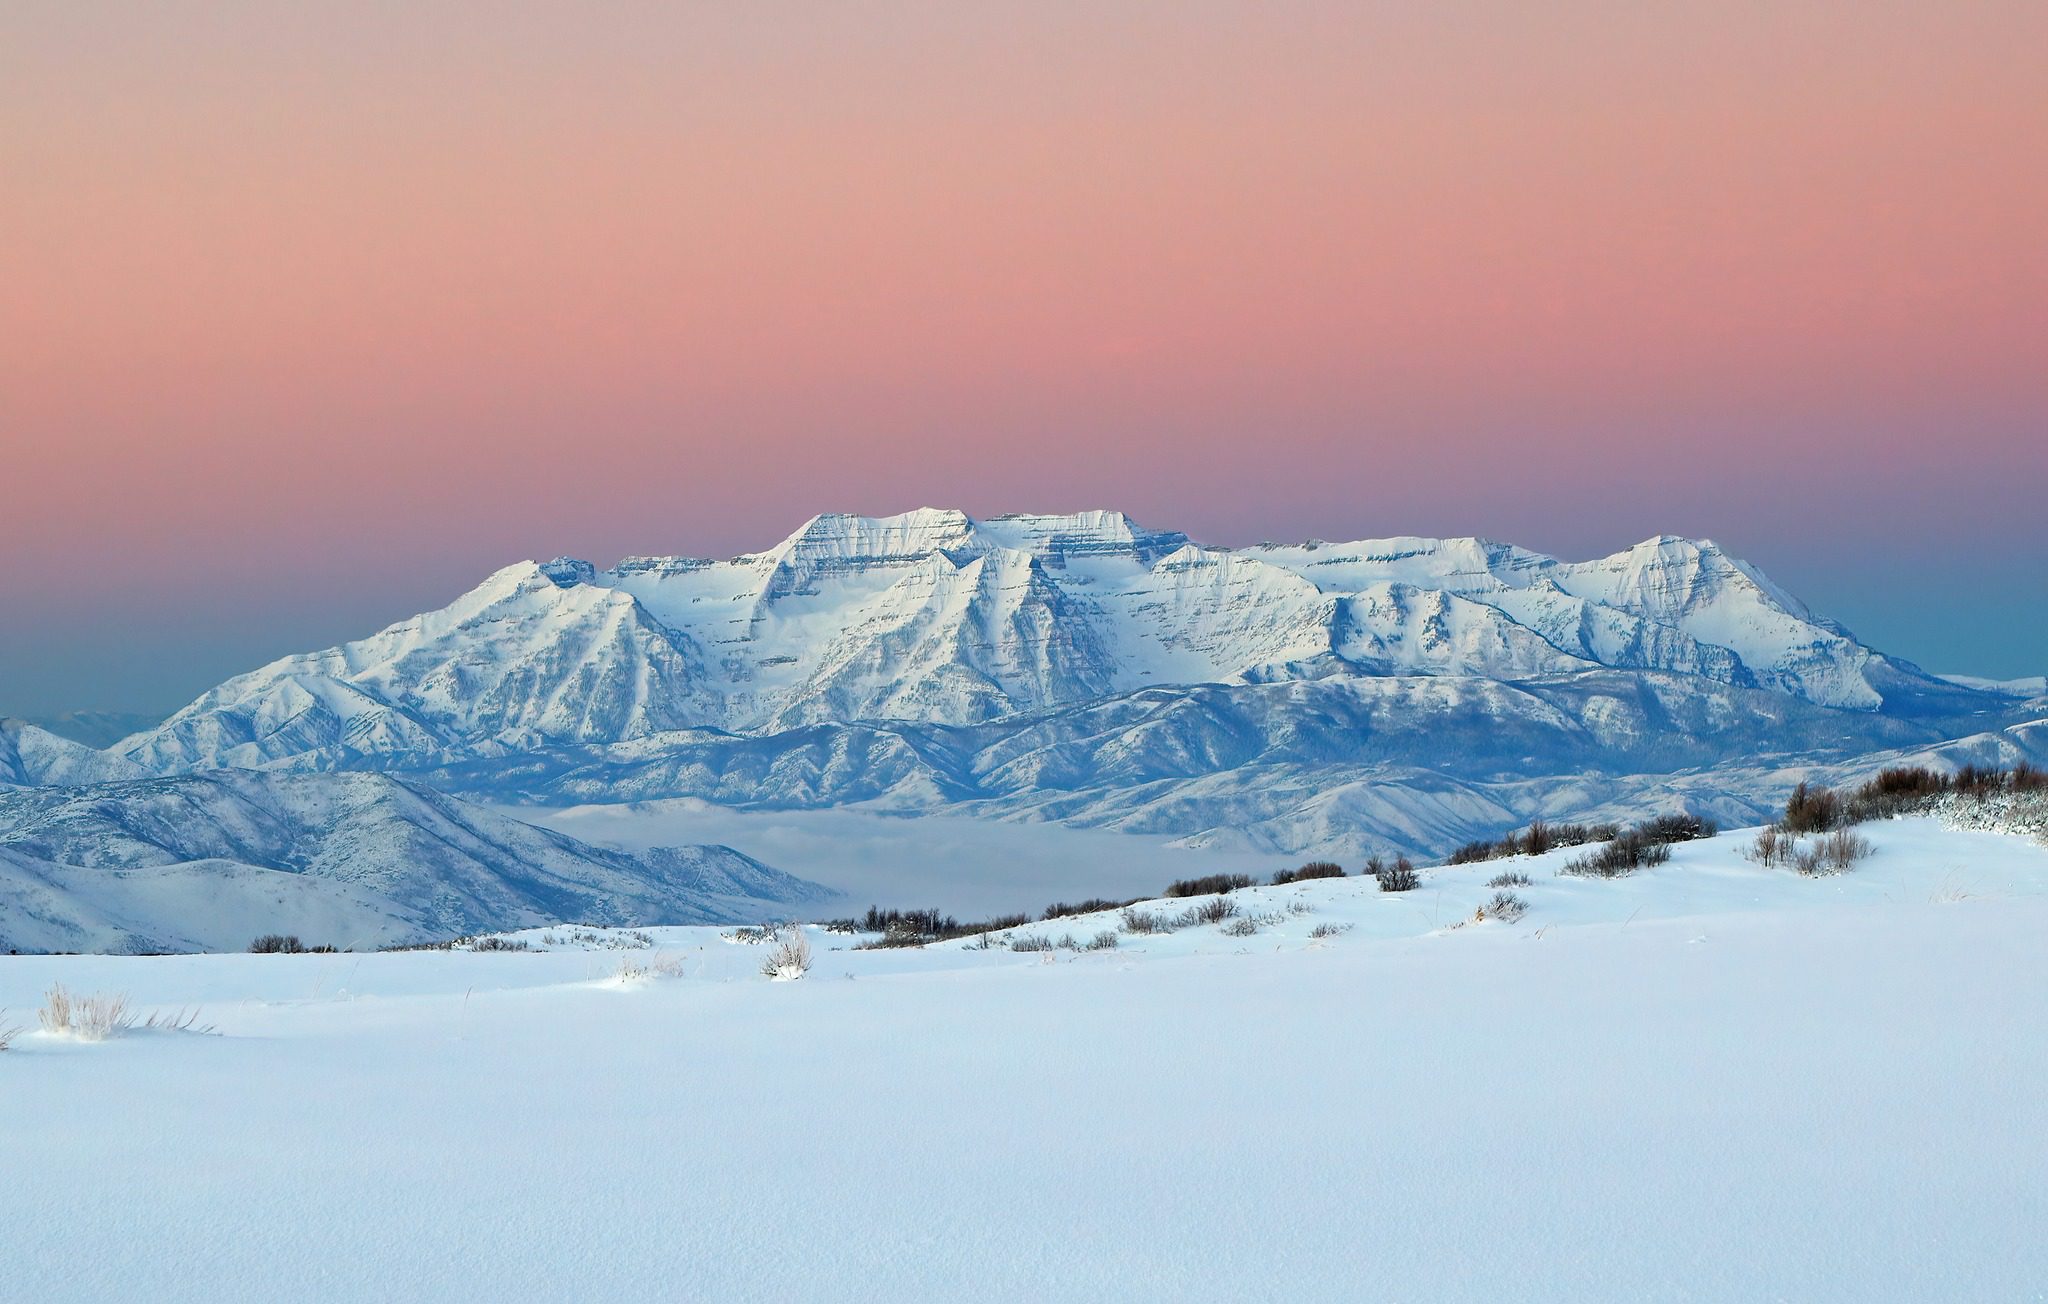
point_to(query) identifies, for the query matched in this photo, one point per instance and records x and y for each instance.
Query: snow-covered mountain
(933, 617)
(31, 756)
(210, 861)
(1399, 693)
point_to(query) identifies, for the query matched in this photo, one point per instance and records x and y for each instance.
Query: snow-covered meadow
(1705, 1080)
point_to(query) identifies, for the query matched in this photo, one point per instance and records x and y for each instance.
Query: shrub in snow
(1213, 911)
(1666, 829)
(1537, 839)
(1104, 941)
(276, 944)
(1771, 848)
(1241, 928)
(8, 1031)
(1512, 878)
(1505, 906)
(917, 927)
(1312, 870)
(1141, 922)
(1207, 884)
(1030, 943)
(1329, 930)
(1092, 906)
(1400, 876)
(501, 944)
(1625, 855)
(1831, 853)
(791, 958)
(1645, 845)
(1473, 852)
(1811, 809)
(1982, 796)
(1836, 852)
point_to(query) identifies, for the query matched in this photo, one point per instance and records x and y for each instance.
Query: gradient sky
(310, 314)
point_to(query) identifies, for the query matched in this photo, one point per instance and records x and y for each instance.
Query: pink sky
(327, 306)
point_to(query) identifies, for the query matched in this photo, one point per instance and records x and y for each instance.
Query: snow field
(1704, 1081)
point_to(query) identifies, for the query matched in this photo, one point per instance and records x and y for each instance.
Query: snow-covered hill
(210, 861)
(1706, 1081)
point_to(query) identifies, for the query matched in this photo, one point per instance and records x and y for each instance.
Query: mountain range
(1397, 694)
(935, 618)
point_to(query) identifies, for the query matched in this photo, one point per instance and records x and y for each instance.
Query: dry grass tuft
(88, 1018)
(791, 958)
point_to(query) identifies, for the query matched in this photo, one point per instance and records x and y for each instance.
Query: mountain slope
(207, 861)
(31, 757)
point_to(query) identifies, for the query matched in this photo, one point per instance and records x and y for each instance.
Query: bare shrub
(1811, 809)
(791, 958)
(1623, 856)
(1839, 850)
(88, 1018)
(276, 944)
(1213, 911)
(1030, 943)
(1207, 884)
(1142, 922)
(1682, 827)
(8, 1031)
(918, 927)
(501, 944)
(1771, 848)
(1505, 907)
(1103, 941)
(1842, 848)
(1831, 853)
(1241, 928)
(1474, 852)
(1329, 930)
(1400, 876)
(1534, 841)
(1068, 909)
(1512, 878)
(1645, 845)
(1312, 870)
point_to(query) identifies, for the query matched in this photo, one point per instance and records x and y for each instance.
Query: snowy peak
(878, 538)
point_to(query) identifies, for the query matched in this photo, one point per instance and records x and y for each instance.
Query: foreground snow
(1703, 1081)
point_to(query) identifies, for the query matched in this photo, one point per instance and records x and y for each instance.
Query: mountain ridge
(933, 616)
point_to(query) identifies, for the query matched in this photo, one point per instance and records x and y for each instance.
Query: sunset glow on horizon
(316, 312)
